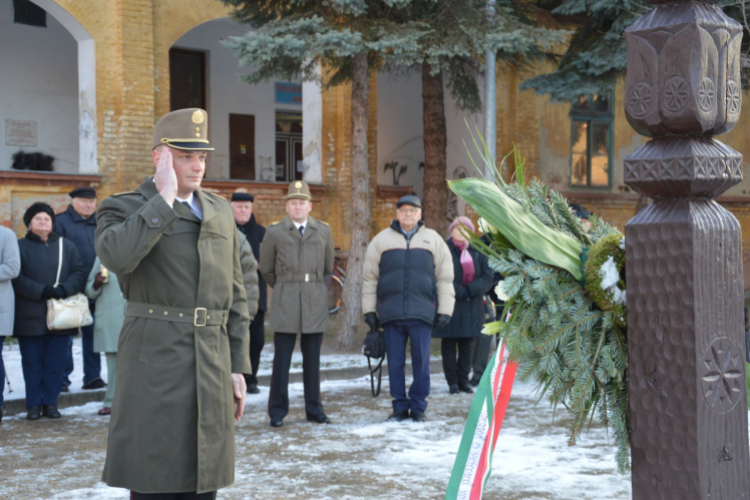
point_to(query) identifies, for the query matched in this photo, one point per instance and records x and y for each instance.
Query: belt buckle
(196, 321)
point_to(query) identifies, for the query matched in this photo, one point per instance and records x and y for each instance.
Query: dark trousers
(43, 361)
(2, 374)
(480, 355)
(457, 373)
(278, 400)
(257, 341)
(92, 361)
(396, 334)
(211, 495)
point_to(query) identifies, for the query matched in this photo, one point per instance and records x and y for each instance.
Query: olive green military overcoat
(172, 425)
(298, 268)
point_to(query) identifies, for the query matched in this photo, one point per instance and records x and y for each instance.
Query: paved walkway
(358, 456)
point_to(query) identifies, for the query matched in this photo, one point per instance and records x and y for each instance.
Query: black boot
(50, 411)
(34, 413)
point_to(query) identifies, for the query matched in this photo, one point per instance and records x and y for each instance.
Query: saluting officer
(296, 259)
(183, 347)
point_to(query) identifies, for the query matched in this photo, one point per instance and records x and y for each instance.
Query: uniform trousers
(43, 361)
(257, 341)
(111, 376)
(278, 400)
(457, 373)
(419, 333)
(211, 495)
(92, 361)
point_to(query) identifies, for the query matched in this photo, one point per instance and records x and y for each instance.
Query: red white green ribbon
(474, 460)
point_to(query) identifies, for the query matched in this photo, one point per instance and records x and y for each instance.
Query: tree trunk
(351, 312)
(435, 203)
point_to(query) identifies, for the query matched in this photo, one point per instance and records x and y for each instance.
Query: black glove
(48, 292)
(462, 293)
(442, 320)
(58, 293)
(372, 321)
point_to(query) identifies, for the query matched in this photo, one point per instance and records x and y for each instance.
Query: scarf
(467, 263)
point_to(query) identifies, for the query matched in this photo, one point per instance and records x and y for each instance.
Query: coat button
(151, 311)
(181, 315)
(154, 220)
(166, 313)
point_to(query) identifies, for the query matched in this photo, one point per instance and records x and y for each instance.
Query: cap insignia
(298, 185)
(197, 116)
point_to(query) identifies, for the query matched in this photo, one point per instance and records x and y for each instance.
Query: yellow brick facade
(132, 40)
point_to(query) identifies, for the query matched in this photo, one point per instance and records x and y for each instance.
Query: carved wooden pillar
(684, 258)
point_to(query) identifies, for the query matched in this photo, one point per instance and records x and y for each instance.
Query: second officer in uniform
(296, 259)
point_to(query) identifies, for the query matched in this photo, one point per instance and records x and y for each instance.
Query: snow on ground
(14, 373)
(358, 456)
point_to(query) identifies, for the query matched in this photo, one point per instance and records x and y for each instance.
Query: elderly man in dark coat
(182, 353)
(77, 224)
(242, 205)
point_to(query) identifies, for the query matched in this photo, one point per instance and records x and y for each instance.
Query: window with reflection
(591, 141)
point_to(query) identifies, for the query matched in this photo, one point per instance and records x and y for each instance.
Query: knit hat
(34, 209)
(461, 220)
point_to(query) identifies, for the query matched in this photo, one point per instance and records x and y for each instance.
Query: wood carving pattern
(684, 258)
(640, 98)
(706, 94)
(676, 93)
(722, 377)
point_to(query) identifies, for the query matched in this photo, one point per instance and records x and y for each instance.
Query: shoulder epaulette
(122, 194)
(274, 223)
(325, 223)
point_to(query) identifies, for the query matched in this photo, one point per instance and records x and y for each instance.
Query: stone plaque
(20, 133)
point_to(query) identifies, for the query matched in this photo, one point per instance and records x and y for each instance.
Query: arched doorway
(258, 130)
(48, 99)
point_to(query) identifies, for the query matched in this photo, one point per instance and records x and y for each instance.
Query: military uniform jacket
(298, 267)
(172, 426)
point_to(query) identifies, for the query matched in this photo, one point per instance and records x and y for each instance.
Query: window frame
(590, 117)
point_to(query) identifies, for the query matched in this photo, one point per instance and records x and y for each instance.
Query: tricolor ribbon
(473, 463)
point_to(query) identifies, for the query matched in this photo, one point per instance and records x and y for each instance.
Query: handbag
(71, 312)
(374, 347)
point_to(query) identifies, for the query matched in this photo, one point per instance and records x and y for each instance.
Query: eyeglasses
(408, 211)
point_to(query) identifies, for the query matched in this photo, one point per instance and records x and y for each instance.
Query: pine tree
(348, 38)
(596, 55)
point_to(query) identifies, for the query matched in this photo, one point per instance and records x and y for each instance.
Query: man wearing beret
(296, 259)
(78, 225)
(182, 353)
(242, 204)
(408, 288)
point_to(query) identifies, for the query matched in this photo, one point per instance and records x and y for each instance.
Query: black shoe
(276, 422)
(97, 383)
(65, 388)
(318, 419)
(50, 411)
(398, 416)
(417, 416)
(474, 382)
(253, 389)
(34, 413)
(453, 389)
(467, 389)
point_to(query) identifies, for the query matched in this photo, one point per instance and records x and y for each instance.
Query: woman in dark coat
(42, 352)
(472, 279)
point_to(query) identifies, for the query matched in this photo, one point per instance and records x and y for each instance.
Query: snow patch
(610, 277)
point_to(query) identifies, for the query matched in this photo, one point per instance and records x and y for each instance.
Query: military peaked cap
(300, 190)
(185, 129)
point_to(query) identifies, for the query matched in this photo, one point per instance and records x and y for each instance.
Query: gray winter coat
(10, 266)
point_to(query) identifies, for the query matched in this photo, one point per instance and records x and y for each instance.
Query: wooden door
(242, 146)
(187, 76)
